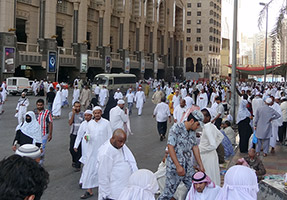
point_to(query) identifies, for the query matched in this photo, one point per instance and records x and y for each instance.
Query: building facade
(64, 39)
(203, 37)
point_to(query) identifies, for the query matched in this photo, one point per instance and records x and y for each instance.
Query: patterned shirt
(44, 118)
(183, 142)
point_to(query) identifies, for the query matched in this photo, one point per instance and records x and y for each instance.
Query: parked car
(16, 85)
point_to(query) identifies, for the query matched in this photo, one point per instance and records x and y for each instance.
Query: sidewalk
(275, 164)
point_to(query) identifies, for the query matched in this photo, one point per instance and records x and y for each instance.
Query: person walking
(21, 108)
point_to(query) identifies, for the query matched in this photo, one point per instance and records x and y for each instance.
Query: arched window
(210, 29)
(195, 48)
(198, 65)
(189, 65)
(200, 48)
(210, 48)
(210, 38)
(211, 21)
(211, 12)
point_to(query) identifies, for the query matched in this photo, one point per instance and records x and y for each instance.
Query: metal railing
(133, 57)
(93, 54)
(65, 51)
(115, 56)
(27, 47)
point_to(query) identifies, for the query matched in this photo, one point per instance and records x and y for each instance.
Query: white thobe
(103, 96)
(256, 103)
(22, 109)
(115, 166)
(65, 94)
(212, 97)
(168, 91)
(175, 100)
(80, 138)
(209, 141)
(98, 132)
(4, 92)
(183, 92)
(139, 99)
(275, 124)
(202, 100)
(188, 101)
(209, 193)
(118, 118)
(178, 113)
(76, 95)
(118, 95)
(97, 90)
(57, 104)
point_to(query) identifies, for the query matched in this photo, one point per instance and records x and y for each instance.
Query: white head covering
(31, 129)
(97, 108)
(240, 183)
(142, 185)
(88, 112)
(268, 100)
(29, 150)
(121, 101)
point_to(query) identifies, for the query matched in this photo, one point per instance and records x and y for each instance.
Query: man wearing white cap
(263, 126)
(98, 132)
(118, 95)
(103, 96)
(130, 99)
(118, 116)
(140, 100)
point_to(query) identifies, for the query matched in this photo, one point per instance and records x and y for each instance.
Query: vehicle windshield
(101, 80)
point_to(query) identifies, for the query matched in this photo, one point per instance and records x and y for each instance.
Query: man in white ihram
(115, 165)
(98, 132)
(118, 117)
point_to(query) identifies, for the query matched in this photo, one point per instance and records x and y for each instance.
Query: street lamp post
(265, 59)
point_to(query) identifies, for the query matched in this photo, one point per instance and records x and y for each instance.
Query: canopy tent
(279, 69)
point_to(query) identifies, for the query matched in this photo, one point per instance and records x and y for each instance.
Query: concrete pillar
(75, 22)
(137, 37)
(50, 18)
(106, 56)
(126, 60)
(121, 35)
(82, 21)
(7, 14)
(141, 59)
(101, 24)
(41, 40)
(106, 23)
(151, 42)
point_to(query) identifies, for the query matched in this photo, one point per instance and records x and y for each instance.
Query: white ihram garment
(57, 104)
(117, 118)
(76, 95)
(139, 99)
(275, 125)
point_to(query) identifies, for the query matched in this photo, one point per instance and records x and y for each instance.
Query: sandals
(86, 195)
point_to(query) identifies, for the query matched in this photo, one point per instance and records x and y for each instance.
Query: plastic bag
(254, 140)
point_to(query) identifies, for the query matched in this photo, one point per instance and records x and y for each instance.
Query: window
(210, 48)
(189, 5)
(198, 13)
(200, 48)
(198, 21)
(188, 30)
(210, 38)
(189, 13)
(211, 4)
(211, 21)
(188, 39)
(124, 80)
(198, 39)
(188, 21)
(198, 30)
(198, 5)
(211, 12)
(211, 30)
(214, 6)
(195, 48)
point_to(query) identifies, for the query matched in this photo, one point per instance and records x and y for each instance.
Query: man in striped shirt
(45, 120)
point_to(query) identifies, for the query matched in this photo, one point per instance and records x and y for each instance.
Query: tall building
(63, 39)
(203, 37)
(283, 49)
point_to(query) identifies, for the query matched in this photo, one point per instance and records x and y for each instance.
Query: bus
(115, 81)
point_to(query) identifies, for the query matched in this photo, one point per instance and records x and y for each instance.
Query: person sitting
(240, 183)
(202, 188)
(228, 148)
(229, 131)
(254, 162)
(142, 185)
(22, 178)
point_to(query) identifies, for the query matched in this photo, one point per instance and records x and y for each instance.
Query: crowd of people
(200, 139)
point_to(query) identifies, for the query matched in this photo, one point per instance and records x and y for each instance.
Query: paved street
(145, 145)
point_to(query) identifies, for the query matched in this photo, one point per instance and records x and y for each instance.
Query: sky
(249, 12)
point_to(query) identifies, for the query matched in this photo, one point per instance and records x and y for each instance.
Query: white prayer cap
(97, 108)
(121, 101)
(140, 87)
(257, 93)
(29, 150)
(268, 100)
(88, 112)
(118, 89)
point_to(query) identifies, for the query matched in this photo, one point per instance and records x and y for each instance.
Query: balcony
(27, 48)
(94, 59)
(29, 54)
(66, 57)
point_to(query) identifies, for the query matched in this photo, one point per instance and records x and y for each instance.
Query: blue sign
(52, 61)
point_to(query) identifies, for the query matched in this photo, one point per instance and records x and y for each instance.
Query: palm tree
(276, 32)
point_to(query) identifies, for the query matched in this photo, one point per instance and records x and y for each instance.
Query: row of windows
(198, 48)
(214, 39)
(215, 6)
(214, 22)
(214, 14)
(198, 5)
(215, 31)
(197, 21)
(214, 49)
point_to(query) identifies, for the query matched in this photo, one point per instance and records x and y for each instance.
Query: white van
(15, 85)
(115, 81)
